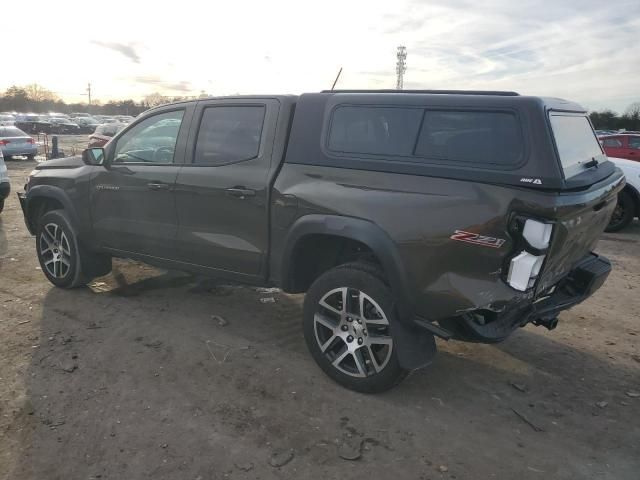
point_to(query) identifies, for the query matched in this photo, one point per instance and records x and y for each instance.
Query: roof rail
(434, 92)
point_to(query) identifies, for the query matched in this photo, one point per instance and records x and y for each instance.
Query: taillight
(4, 142)
(30, 141)
(525, 267)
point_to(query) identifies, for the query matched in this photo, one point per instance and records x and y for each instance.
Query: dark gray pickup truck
(404, 216)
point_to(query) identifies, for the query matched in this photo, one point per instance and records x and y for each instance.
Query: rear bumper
(581, 282)
(5, 188)
(9, 150)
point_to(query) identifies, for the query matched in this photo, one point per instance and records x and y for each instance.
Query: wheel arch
(43, 198)
(365, 233)
(633, 191)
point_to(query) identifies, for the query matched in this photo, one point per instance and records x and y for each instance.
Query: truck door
(222, 189)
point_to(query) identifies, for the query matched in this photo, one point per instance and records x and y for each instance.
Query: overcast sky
(582, 50)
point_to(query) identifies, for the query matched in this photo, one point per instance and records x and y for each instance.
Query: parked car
(465, 220)
(87, 124)
(15, 142)
(33, 123)
(103, 133)
(628, 206)
(63, 125)
(7, 120)
(5, 185)
(124, 118)
(80, 115)
(622, 145)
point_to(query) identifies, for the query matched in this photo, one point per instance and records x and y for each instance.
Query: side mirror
(93, 156)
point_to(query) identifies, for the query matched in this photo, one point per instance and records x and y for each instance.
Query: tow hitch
(548, 322)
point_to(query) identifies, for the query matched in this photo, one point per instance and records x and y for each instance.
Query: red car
(623, 145)
(104, 133)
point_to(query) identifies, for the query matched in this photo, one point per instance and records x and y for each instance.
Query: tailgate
(581, 219)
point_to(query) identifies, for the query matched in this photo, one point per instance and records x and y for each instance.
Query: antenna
(401, 66)
(336, 80)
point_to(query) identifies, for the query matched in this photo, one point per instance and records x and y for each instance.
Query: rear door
(633, 148)
(222, 190)
(613, 146)
(132, 199)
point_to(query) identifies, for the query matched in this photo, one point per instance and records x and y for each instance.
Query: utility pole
(89, 93)
(401, 66)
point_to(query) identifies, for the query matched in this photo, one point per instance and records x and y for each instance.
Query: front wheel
(64, 262)
(348, 313)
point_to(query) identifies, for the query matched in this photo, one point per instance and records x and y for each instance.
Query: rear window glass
(419, 135)
(13, 132)
(575, 140)
(612, 142)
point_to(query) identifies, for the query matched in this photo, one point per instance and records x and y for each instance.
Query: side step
(433, 328)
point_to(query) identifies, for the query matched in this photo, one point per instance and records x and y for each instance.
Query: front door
(222, 190)
(132, 199)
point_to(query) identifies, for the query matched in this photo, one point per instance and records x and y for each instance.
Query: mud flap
(415, 347)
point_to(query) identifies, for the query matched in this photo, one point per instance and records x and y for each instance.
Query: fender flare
(53, 192)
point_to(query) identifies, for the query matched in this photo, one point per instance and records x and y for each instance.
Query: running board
(433, 328)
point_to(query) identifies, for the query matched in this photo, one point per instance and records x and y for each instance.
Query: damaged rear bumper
(488, 327)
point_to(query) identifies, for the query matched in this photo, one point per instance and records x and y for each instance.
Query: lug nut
(364, 332)
(349, 319)
(360, 341)
(359, 321)
(344, 328)
(349, 339)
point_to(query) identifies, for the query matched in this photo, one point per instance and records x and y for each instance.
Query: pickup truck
(403, 216)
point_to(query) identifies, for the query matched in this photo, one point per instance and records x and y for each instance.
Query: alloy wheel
(352, 332)
(55, 251)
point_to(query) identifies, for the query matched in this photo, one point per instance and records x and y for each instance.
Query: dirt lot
(134, 379)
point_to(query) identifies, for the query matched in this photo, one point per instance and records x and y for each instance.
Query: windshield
(577, 143)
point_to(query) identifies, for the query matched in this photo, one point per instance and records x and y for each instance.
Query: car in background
(80, 115)
(5, 186)
(87, 124)
(15, 142)
(124, 118)
(104, 133)
(32, 123)
(622, 145)
(7, 119)
(63, 125)
(628, 206)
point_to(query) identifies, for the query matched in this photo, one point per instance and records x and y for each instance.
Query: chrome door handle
(158, 186)
(240, 192)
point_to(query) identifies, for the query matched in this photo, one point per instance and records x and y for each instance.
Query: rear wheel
(348, 312)
(31, 157)
(623, 213)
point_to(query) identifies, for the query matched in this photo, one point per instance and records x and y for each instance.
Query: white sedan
(629, 198)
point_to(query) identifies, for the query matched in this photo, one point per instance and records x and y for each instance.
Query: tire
(1, 205)
(623, 214)
(63, 261)
(31, 157)
(8, 157)
(354, 349)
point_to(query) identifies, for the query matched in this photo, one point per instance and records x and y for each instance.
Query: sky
(583, 50)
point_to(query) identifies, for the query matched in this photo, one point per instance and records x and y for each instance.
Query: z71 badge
(477, 239)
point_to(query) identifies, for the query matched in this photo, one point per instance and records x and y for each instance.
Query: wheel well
(636, 197)
(316, 253)
(38, 206)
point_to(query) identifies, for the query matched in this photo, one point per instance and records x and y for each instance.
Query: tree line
(37, 99)
(34, 98)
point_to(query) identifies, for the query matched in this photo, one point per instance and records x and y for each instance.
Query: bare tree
(154, 99)
(38, 93)
(633, 110)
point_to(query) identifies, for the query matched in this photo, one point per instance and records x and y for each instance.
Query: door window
(612, 143)
(151, 141)
(229, 134)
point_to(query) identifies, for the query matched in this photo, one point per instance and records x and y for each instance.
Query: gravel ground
(136, 377)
